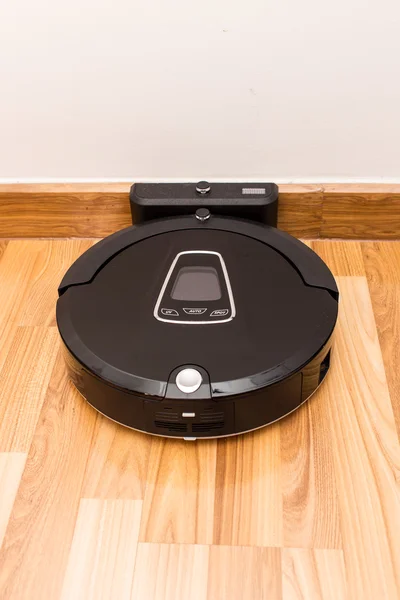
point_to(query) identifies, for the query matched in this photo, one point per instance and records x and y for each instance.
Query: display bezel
(225, 303)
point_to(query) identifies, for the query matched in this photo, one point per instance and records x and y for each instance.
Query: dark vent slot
(324, 368)
(212, 416)
(166, 416)
(207, 426)
(171, 426)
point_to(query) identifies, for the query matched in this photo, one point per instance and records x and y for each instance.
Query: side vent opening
(168, 415)
(170, 426)
(204, 427)
(324, 368)
(210, 420)
(211, 416)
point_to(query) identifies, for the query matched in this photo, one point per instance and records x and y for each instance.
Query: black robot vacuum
(203, 319)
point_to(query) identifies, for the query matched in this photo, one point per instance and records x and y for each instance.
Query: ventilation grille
(168, 415)
(324, 368)
(212, 416)
(210, 421)
(251, 191)
(170, 425)
(207, 426)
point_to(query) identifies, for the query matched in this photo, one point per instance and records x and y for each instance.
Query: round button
(203, 187)
(188, 380)
(202, 214)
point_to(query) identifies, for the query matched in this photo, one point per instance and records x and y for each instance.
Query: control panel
(196, 290)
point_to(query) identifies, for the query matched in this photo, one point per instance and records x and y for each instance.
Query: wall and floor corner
(288, 91)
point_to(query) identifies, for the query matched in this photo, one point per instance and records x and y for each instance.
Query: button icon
(221, 312)
(169, 312)
(195, 311)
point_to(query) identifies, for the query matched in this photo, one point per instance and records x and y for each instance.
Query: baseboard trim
(346, 211)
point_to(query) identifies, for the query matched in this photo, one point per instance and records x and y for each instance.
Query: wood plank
(310, 504)
(11, 467)
(365, 448)
(343, 258)
(382, 263)
(20, 262)
(363, 189)
(240, 573)
(300, 210)
(361, 212)
(36, 546)
(313, 575)
(69, 211)
(248, 490)
(77, 210)
(40, 305)
(72, 188)
(3, 246)
(171, 572)
(103, 552)
(118, 462)
(23, 383)
(180, 474)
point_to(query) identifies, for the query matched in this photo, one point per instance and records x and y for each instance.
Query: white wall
(291, 90)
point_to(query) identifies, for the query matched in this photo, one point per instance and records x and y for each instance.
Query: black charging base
(254, 201)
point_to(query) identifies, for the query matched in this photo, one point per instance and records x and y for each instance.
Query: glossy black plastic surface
(311, 268)
(256, 367)
(169, 416)
(281, 322)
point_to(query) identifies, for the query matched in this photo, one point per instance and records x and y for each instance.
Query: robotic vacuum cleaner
(202, 320)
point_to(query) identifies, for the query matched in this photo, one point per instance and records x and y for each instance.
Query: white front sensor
(188, 380)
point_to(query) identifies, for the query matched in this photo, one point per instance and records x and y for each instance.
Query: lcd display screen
(196, 284)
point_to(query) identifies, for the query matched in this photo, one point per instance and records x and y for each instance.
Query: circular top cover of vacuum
(245, 303)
